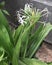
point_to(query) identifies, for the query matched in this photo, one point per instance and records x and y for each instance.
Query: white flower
(27, 8)
(21, 18)
(22, 21)
(46, 12)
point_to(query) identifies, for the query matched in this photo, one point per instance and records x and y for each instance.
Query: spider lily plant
(18, 48)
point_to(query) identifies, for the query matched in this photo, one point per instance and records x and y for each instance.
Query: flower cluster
(30, 13)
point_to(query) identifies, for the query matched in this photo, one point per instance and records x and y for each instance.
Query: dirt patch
(45, 53)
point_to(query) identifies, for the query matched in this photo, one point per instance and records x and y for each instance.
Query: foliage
(19, 47)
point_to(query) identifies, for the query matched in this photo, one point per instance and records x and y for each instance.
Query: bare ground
(45, 52)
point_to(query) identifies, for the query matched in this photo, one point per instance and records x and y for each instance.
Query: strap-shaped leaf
(4, 22)
(18, 46)
(27, 61)
(26, 32)
(33, 38)
(35, 35)
(5, 40)
(17, 33)
(24, 44)
(2, 52)
(16, 52)
(3, 63)
(21, 63)
(33, 48)
(50, 63)
(5, 12)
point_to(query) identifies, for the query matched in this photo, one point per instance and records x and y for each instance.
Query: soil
(45, 52)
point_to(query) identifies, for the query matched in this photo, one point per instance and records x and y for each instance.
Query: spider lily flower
(29, 13)
(23, 17)
(22, 21)
(28, 8)
(44, 12)
(44, 23)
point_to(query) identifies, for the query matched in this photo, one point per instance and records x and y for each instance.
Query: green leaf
(2, 52)
(3, 63)
(25, 48)
(35, 35)
(24, 43)
(25, 38)
(50, 63)
(33, 38)
(5, 40)
(16, 52)
(21, 63)
(17, 33)
(27, 61)
(5, 12)
(4, 22)
(40, 37)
